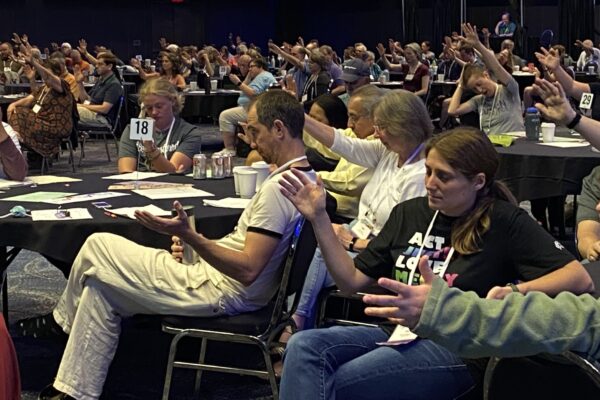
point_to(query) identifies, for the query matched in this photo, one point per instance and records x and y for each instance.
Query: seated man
(257, 81)
(10, 70)
(113, 277)
(98, 103)
(12, 163)
(589, 54)
(505, 27)
(174, 140)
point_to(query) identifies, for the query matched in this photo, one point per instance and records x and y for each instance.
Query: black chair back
(302, 249)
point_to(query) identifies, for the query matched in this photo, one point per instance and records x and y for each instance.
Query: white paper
(566, 145)
(170, 193)
(5, 183)
(51, 215)
(401, 335)
(229, 202)
(515, 134)
(86, 197)
(46, 179)
(135, 176)
(129, 211)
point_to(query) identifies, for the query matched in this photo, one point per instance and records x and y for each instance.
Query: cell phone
(101, 204)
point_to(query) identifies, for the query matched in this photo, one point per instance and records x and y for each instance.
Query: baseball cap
(355, 69)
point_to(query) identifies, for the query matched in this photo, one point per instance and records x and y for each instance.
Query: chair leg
(198, 379)
(45, 165)
(71, 155)
(269, 367)
(82, 152)
(106, 146)
(170, 362)
(488, 376)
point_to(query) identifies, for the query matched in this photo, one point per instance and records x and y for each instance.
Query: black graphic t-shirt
(514, 248)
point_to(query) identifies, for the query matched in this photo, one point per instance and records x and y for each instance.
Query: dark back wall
(120, 24)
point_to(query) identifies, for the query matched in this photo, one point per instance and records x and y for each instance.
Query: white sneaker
(226, 152)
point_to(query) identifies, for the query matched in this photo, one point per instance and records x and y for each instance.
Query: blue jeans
(317, 278)
(346, 363)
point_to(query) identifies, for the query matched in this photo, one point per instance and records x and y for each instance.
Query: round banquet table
(61, 240)
(535, 171)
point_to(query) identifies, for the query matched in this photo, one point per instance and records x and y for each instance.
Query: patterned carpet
(139, 366)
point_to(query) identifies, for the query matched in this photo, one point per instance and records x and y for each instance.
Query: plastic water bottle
(532, 124)
(385, 76)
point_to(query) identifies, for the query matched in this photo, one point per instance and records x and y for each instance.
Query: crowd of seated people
(411, 206)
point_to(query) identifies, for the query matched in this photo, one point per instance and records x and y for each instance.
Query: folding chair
(259, 328)
(86, 129)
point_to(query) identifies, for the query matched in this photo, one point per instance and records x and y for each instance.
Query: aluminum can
(199, 162)
(227, 166)
(217, 166)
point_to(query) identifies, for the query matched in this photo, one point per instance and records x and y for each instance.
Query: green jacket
(517, 326)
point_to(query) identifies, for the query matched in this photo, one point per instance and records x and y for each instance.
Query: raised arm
(309, 199)
(455, 108)
(488, 56)
(83, 50)
(296, 62)
(556, 107)
(320, 131)
(48, 77)
(386, 63)
(550, 60)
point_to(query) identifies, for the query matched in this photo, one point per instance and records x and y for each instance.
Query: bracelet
(514, 287)
(153, 154)
(352, 243)
(574, 121)
(239, 83)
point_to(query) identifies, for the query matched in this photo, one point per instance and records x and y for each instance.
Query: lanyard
(43, 95)
(448, 257)
(491, 113)
(286, 166)
(370, 209)
(307, 86)
(165, 146)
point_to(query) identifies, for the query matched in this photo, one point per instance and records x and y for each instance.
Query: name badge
(304, 98)
(409, 77)
(586, 101)
(6, 69)
(141, 128)
(87, 102)
(362, 229)
(36, 108)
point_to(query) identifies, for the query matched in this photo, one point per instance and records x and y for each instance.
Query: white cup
(193, 85)
(263, 171)
(440, 77)
(247, 183)
(516, 68)
(153, 68)
(213, 84)
(236, 179)
(591, 70)
(548, 129)
(147, 62)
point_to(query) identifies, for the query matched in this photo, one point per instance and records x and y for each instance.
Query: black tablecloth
(534, 171)
(62, 240)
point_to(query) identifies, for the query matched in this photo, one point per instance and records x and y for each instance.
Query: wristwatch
(351, 244)
(239, 83)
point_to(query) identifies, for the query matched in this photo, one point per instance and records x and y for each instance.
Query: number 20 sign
(141, 128)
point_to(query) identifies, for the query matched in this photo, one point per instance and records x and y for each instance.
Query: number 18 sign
(141, 128)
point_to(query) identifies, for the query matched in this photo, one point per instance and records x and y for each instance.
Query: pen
(110, 214)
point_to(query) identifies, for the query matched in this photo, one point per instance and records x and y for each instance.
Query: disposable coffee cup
(193, 85)
(236, 177)
(147, 62)
(247, 183)
(591, 70)
(440, 77)
(153, 68)
(213, 84)
(263, 171)
(548, 129)
(516, 68)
